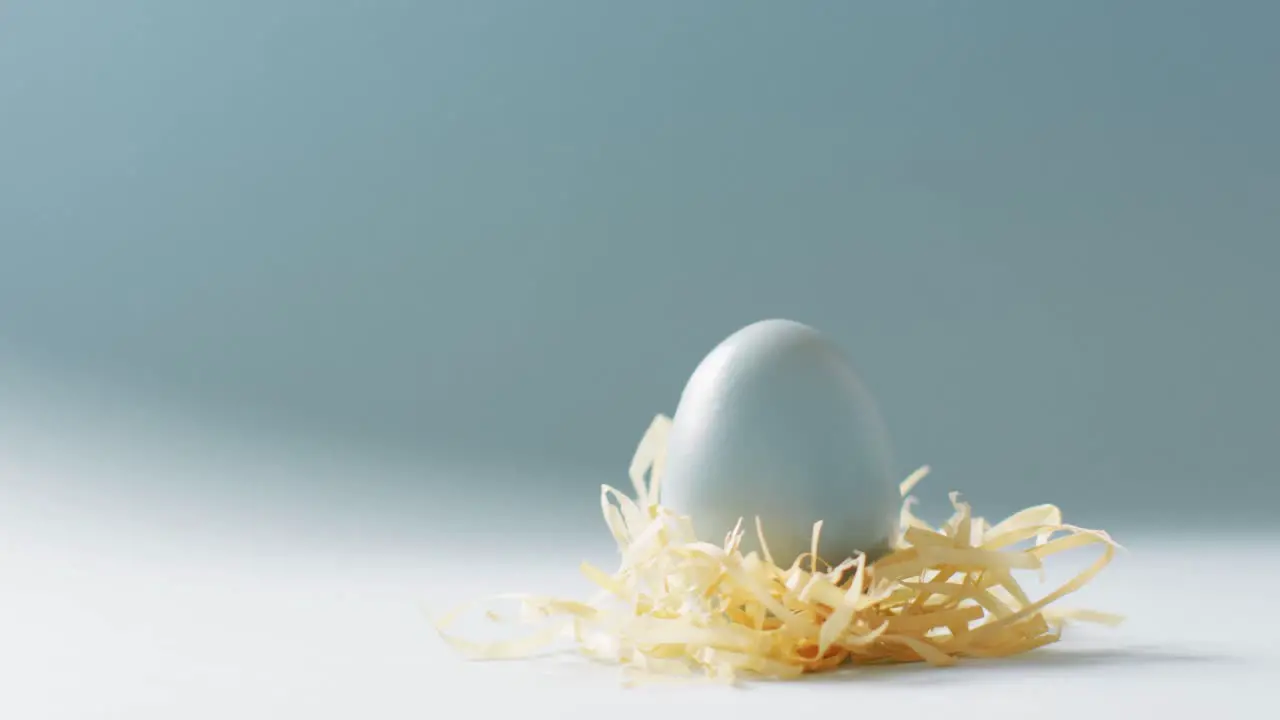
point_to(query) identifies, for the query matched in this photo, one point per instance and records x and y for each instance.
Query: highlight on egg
(765, 536)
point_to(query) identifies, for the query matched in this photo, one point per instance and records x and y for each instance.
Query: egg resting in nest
(681, 607)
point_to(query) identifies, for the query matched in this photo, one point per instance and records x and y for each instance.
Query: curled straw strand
(677, 605)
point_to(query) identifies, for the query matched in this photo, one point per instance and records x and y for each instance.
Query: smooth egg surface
(775, 423)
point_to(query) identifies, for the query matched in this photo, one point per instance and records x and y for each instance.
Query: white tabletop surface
(100, 632)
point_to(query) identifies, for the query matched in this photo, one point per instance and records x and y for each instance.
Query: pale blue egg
(775, 423)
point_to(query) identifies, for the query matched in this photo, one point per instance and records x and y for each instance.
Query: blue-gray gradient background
(362, 269)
